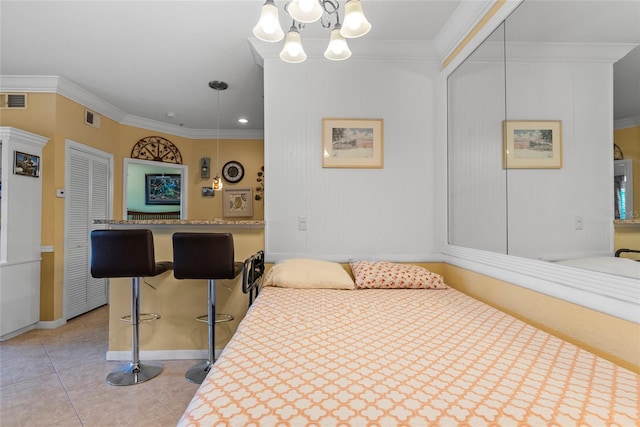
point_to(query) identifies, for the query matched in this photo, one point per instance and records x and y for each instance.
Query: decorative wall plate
(233, 171)
(157, 149)
(617, 153)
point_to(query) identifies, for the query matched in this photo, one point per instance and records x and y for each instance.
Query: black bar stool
(128, 253)
(205, 256)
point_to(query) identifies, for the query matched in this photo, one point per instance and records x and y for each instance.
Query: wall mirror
(548, 64)
(137, 174)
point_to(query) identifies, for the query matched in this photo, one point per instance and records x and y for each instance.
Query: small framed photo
(352, 143)
(208, 192)
(26, 164)
(237, 202)
(532, 144)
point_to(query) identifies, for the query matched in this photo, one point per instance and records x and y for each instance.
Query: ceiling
(150, 58)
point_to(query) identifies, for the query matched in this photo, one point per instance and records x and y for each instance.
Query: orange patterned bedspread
(410, 357)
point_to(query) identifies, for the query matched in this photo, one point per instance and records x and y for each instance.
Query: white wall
(544, 203)
(387, 213)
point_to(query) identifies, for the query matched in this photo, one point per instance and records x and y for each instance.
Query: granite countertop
(217, 221)
(635, 221)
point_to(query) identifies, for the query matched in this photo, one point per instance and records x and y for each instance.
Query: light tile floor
(56, 377)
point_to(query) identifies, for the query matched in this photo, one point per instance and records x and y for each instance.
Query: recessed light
(243, 121)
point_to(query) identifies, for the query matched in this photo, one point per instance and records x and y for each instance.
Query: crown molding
(365, 50)
(68, 89)
(466, 16)
(626, 123)
(551, 52)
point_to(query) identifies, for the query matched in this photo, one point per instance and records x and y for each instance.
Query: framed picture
(208, 192)
(237, 202)
(531, 144)
(162, 189)
(26, 164)
(352, 143)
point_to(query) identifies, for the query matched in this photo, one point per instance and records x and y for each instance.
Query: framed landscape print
(352, 143)
(531, 144)
(162, 189)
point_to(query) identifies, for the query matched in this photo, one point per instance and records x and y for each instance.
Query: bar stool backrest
(203, 256)
(122, 253)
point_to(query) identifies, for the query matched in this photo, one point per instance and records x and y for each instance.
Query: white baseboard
(50, 324)
(15, 333)
(162, 354)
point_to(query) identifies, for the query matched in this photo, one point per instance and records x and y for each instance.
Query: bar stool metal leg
(135, 372)
(199, 371)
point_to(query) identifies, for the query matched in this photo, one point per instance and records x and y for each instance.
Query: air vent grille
(92, 119)
(13, 100)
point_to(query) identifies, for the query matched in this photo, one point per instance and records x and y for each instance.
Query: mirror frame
(617, 296)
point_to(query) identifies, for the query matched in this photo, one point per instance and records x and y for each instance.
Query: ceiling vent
(92, 119)
(13, 100)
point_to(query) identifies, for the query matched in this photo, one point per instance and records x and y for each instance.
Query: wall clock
(233, 171)
(157, 149)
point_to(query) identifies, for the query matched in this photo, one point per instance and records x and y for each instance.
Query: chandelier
(306, 11)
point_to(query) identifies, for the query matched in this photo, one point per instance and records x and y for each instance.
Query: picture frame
(532, 144)
(208, 192)
(26, 164)
(162, 189)
(352, 143)
(237, 202)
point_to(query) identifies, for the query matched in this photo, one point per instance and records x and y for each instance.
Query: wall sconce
(205, 167)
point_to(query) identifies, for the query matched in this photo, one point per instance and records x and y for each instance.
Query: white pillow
(303, 273)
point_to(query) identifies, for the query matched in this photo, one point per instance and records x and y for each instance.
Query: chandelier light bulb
(355, 23)
(293, 51)
(268, 28)
(338, 49)
(305, 11)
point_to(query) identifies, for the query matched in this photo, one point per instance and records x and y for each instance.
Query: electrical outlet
(302, 223)
(578, 222)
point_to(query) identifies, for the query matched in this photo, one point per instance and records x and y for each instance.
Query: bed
(384, 351)
(618, 264)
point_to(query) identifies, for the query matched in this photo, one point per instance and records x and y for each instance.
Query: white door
(88, 193)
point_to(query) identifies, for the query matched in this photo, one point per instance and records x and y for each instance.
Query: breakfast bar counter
(177, 334)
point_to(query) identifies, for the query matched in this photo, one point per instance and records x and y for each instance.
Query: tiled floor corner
(57, 377)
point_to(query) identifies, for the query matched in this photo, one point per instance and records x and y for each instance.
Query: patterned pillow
(305, 273)
(389, 275)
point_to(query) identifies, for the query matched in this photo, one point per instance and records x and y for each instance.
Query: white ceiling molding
(63, 87)
(366, 49)
(464, 29)
(552, 52)
(462, 21)
(626, 123)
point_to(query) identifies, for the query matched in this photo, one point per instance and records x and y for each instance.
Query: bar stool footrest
(220, 318)
(144, 317)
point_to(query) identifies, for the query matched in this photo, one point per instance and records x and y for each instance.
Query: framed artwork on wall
(237, 202)
(532, 144)
(26, 164)
(352, 143)
(162, 189)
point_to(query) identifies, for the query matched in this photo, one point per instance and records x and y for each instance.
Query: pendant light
(338, 49)
(218, 86)
(268, 28)
(355, 23)
(293, 51)
(305, 11)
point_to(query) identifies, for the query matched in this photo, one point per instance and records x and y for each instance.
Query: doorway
(88, 185)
